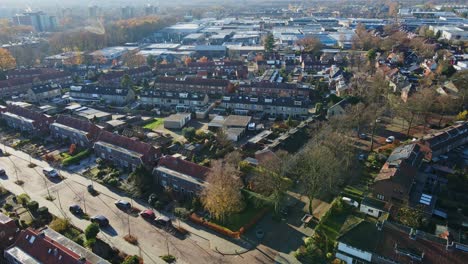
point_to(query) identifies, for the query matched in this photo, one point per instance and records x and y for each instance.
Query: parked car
(2, 172)
(123, 205)
(101, 220)
(147, 214)
(350, 201)
(363, 136)
(76, 209)
(50, 172)
(163, 221)
(390, 139)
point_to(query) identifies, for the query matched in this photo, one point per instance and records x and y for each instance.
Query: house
(125, 152)
(26, 120)
(387, 243)
(209, 86)
(177, 121)
(44, 92)
(47, 246)
(396, 178)
(338, 109)
(19, 83)
(81, 132)
(373, 207)
(445, 140)
(275, 106)
(108, 95)
(182, 176)
(268, 88)
(136, 74)
(180, 101)
(235, 126)
(8, 231)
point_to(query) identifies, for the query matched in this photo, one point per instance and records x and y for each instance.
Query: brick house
(109, 95)
(19, 83)
(43, 92)
(182, 176)
(80, 132)
(280, 106)
(445, 140)
(396, 178)
(48, 246)
(136, 74)
(174, 100)
(8, 231)
(209, 86)
(266, 88)
(26, 120)
(125, 152)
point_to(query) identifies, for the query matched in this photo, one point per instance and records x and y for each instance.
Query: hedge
(77, 158)
(196, 219)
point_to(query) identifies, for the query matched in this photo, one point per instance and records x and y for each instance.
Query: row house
(388, 243)
(209, 86)
(26, 120)
(106, 94)
(279, 106)
(136, 74)
(44, 92)
(395, 180)
(182, 176)
(48, 246)
(267, 88)
(24, 73)
(181, 101)
(436, 144)
(125, 152)
(80, 132)
(17, 86)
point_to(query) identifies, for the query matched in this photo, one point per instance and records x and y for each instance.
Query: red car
(147, 214)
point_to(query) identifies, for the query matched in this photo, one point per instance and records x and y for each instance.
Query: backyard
(157, 122)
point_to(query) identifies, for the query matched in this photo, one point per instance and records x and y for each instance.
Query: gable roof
(26, 113)
(104, 90)
(45, 88)
(184, 167)
(126, 143)
(79, 124)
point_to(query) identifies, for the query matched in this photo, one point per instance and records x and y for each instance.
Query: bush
(7, 206)
(32, 206)
(23, 199)
(131, 260)
(89, 243)
(158, 205)
(60, 225)
(91, 231)
(77, 158)
(112, 182)
(181, 212)
(189, 133)
(168, 258)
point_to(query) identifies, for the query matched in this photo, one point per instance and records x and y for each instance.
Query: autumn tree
(7, 61)
(310, 45)
(222, 196)
(133, 59)
(203, 59)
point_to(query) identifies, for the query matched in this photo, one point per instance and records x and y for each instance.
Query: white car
(50, 172)
(390, 139)
(350, 201)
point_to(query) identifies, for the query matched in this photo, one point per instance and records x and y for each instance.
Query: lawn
(236, 221)
(156, 123)
(332, 223)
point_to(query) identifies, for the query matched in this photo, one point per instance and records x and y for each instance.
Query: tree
(150, 60)
(410, 217)
(233, 158)
(187, 61)
(269, 42)
(270, 178)
(72, 149)
(189, 133)
(133, 59)
(222, 196)
(310, 45)
(7, 61)
(91, 231)
(132, 260)
(203, 59)
(126, 81)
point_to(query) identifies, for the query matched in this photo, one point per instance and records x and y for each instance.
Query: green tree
(126, 81)
(131, 260)
(189, 133)
(269, 42)
(150, 60)
(371, 55)
(91, 231)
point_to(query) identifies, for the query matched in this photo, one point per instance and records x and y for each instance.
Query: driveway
(199, 247)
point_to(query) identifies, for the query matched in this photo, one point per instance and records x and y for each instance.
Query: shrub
(189, 133)
(32, 206)
(89, 243)
(77, 158)
(158, 205)
(131, 260)
(60, 225)
(113, 182)
(7, 206)
(168, 258)
(91, 231)
(181, 212)
(23, 199)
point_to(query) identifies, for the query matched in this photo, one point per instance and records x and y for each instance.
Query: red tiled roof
(24, 112)
(185, 167)
(200, 81)
(90, 128)
(8, 229)
(127, 143)
(41, 245)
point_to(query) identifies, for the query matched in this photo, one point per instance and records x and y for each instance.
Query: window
(370, 211)
(380, 197)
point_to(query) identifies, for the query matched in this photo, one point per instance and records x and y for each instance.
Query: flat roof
(21, 256)
(237, 120)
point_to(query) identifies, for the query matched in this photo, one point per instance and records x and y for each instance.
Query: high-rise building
(93, 11)
(127, 12)
(38, 20)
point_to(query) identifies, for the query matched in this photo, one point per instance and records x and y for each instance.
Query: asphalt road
(153, 242)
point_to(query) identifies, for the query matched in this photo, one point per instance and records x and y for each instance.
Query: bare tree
(222, 196)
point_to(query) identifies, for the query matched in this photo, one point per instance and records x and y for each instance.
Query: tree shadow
(109, 230)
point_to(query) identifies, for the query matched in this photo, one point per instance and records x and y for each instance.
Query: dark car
(147, 214)
(123, 205)
(2, 172)
(101, 220)
(75, 209)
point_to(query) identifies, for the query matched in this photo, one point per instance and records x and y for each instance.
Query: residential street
(200, 247)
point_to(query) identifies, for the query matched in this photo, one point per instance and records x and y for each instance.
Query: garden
(157, 122)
